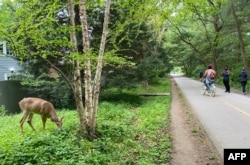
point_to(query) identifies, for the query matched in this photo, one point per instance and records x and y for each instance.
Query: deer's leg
(25, 115)
(44, 119)
(30, 121)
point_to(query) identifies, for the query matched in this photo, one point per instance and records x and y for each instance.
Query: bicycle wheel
(212, 90)
(203, 89)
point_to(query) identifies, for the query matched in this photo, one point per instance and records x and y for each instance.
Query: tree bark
(218, 24)
(97, 79)
(77, 73)
(241, 42)
(87, 64)
(217, 28)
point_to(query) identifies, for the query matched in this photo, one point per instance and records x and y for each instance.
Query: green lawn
(130, 130)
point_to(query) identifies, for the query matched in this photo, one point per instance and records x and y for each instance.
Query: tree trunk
(77, 73)
(97, 79)
(87, 65)
(217, 22)
(241, 42)
(213, 43)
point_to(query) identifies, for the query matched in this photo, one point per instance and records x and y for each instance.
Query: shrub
(2, 110)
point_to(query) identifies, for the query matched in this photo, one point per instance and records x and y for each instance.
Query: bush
(54, 90)
(3, 111)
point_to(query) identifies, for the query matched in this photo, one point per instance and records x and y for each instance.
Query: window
(3, 50)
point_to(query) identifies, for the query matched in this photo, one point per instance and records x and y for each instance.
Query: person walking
(200, 75)
(225, 75)
(243, 76)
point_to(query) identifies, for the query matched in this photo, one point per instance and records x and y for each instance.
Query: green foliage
(35, 30)
(128, 132)
(2, 110)
(208, 41)
(118, 96)
(54, 90)
(42, 150)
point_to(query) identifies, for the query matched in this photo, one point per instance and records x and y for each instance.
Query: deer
(32, 105)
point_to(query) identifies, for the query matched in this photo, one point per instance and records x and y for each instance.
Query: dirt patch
(191, 145)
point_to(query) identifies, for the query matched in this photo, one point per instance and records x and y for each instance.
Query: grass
(130, 130)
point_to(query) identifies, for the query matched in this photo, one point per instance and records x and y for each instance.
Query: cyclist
(209, 75)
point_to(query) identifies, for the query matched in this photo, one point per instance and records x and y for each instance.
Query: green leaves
(33, 27)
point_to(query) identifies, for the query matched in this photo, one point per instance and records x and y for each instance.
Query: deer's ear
(62, 118)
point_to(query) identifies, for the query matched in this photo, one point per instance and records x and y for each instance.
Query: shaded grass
(128, 132)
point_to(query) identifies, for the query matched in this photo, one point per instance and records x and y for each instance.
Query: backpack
(212, 75)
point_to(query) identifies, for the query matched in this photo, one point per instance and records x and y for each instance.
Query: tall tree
(238, 25)
(92, 90)
(77, 68)
(97, 79)
(199, 25)
(87, 64)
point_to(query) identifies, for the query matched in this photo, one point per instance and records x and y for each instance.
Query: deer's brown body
(32, 105)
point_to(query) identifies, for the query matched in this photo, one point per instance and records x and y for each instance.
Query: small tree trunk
(97, 79)
(87, 64)
(78, 97)
(77, 73)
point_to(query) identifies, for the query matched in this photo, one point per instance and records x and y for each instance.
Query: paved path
(225, 117)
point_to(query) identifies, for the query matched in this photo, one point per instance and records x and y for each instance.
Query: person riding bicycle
(209, 75)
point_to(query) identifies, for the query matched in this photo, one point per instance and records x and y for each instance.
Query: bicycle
(211, 89)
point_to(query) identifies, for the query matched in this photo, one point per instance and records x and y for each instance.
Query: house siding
(8, 64)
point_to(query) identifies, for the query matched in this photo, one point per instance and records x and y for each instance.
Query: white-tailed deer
(32, 105)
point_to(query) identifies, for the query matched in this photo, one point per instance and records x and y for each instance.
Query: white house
(8, 64)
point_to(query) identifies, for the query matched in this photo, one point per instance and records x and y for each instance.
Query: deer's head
(58, 122)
